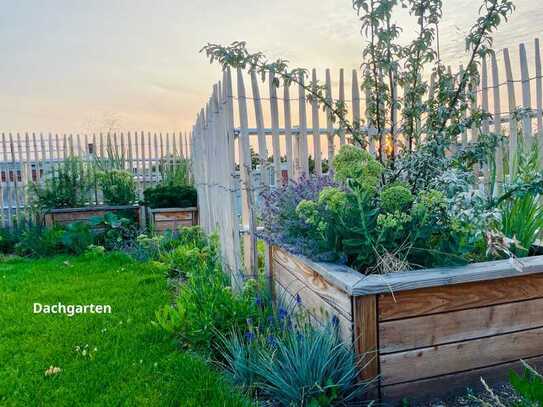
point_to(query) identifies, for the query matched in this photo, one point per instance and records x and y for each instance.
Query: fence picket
(247, 219)
(292, 167)
(513, 126)
(526, 98)
(317, 157)
(329, 120)
(302, 129)
(274, 111)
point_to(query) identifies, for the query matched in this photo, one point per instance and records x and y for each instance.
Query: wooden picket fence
(26, 158)
(232, 122)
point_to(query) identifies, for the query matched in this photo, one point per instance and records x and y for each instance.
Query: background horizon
(129, 65)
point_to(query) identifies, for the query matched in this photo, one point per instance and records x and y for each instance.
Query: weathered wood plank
(319, 301)
(341, 276)
(456, 297)
(303, 278)
(366, 335)
(456, 357)
(303, 296)
(437, 329)
(173, 216)
(448, 386)
(491, 270)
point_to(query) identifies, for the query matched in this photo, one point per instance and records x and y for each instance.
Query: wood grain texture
(366, 336)
(437, 329)
(452, 385)
(490, 270)
(322, 299)
(451, 358)
(340, 276)
(462, 296)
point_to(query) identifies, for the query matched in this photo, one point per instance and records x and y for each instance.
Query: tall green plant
(67, 185)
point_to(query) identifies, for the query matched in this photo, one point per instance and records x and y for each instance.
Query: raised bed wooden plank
(462, 296)
(322, 298)
(491, 270)
(453, 385)
(366, 335)
(172, 216)
(342, 277)
(326, 292)
(437, 329)
(456, 357)
(317, 312)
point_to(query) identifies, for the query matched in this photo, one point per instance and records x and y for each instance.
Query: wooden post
(366, 334)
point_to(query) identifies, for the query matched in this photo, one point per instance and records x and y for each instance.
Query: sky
(96, 65)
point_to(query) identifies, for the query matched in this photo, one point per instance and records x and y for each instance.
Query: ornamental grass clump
(285, 361)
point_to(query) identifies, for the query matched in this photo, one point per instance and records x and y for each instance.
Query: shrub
(170, 196)
(118, 187)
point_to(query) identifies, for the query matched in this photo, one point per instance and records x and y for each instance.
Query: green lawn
(127, 360)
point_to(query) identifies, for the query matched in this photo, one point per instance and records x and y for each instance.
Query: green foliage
(170, 196)
(205, 304)
(303, 367)
(522, 221)
(529, 385)
(118, 187)
(37, 241)
(175, 171)
(396, 197)
(77, 237)
(352, 164)
(66, 186)
(114, 232)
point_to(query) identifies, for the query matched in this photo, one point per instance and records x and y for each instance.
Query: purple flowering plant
(282, 225)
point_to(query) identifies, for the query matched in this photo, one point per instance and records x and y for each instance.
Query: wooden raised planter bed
(65, 216)
(173, 218)
(427, 333)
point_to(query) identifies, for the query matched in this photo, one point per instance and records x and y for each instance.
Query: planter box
(173, 218)
(427, 333)
(65, 216)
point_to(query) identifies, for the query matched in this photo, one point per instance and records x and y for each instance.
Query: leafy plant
(205, 304)
(77, 237)
(113, 232)
(38, 241)
(67, 185)
(118, 187)
(529, 385)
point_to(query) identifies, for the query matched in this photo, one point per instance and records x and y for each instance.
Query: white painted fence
(232, 122)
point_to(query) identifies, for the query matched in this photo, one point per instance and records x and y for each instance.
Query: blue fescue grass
(127, 360)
